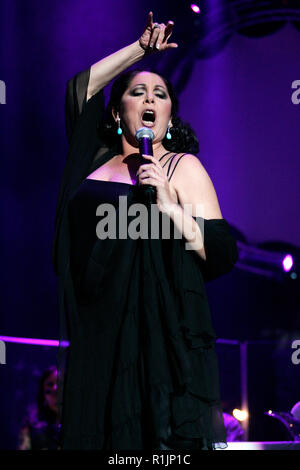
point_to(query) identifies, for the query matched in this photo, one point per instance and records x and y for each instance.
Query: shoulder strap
(171, 158)
(163, 156)
(175, 164)
(168, 160)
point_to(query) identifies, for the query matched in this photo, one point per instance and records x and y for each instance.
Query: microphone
(145, 136)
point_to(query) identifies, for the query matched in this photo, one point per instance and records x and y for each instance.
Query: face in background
(147, 90)
(50, 391)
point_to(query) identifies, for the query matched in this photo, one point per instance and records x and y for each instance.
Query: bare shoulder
(189, 169)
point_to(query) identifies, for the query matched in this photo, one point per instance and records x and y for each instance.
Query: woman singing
(140, 371)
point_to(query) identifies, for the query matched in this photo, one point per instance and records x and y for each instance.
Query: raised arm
(90, 82)
(107, 69)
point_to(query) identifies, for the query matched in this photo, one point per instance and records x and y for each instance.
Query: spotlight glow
(240, 415)
(287, 262)
(195, 8)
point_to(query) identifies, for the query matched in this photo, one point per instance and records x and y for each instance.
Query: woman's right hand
(154, 38)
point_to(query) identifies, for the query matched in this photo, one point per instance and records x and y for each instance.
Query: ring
(156, 25)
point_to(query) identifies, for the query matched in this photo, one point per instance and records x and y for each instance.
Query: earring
(168, 135)
(119, 126)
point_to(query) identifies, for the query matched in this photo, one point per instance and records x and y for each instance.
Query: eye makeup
(135, 90)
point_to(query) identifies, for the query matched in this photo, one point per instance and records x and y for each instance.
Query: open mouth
(148, 118)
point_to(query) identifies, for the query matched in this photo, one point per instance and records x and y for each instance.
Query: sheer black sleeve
(76, 92)
(75, 101)
(83, 119)
(220, 249)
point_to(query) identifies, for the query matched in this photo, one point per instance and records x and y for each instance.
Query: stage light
(287, 263)
(240, 415)
(34, 341)
(273, 259)
(195, 8)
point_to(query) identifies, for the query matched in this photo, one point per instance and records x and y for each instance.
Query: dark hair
(183, 137)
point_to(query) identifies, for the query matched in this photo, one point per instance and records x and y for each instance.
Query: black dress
(141, 370)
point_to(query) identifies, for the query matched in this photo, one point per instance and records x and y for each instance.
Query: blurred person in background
(41, 425)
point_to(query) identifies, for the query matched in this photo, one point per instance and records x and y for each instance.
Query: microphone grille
(144, 132)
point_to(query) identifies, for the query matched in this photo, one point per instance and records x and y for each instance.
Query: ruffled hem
(154, 419)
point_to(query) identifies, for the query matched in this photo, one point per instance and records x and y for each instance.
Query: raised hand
(156, 35)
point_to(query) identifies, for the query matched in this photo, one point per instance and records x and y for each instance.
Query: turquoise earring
(119, 126)
(168, 135)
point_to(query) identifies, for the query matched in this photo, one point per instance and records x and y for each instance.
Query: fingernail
(157, 46)
(151, 45)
